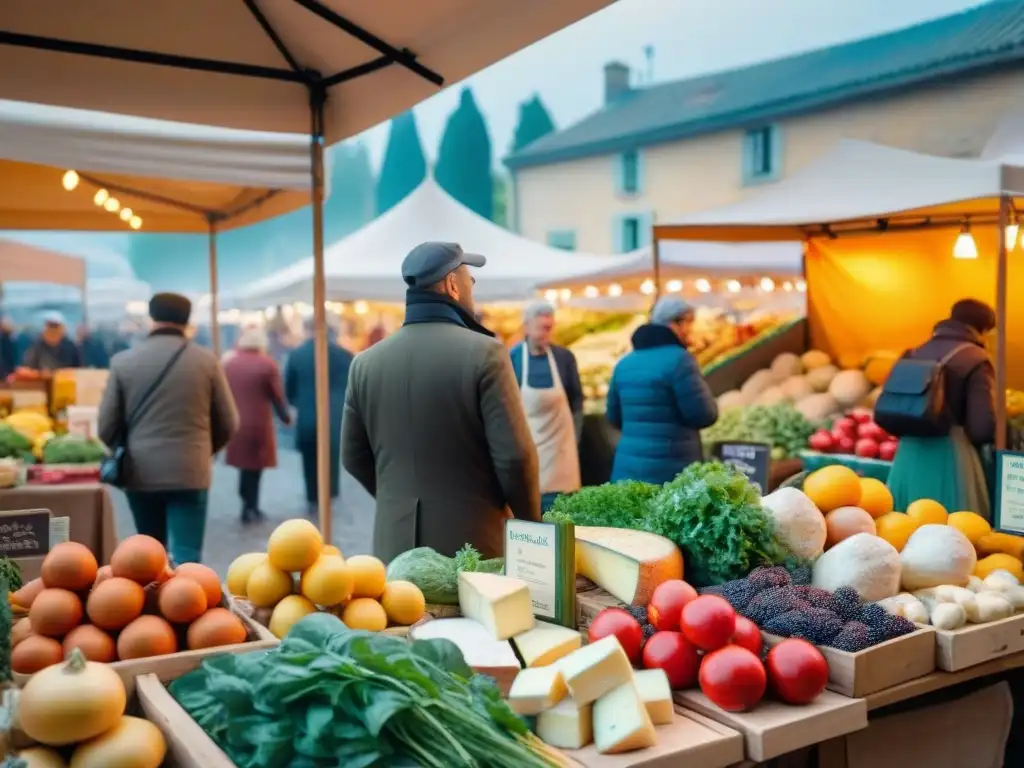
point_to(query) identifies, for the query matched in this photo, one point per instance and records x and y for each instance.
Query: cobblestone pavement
(281, 497)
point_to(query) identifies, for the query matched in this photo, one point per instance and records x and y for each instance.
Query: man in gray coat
(188, 417)
(433, 425)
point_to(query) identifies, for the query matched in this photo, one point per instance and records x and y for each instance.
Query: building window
(631, 231)
(630, 173)
(762, 154)
(562, 238)
(630, 234)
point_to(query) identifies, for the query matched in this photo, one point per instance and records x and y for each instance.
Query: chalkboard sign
(25, 533)
(752, 459)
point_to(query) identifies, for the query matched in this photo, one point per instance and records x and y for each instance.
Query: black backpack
(913, 399)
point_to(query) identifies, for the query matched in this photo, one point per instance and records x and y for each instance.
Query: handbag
(112, 466)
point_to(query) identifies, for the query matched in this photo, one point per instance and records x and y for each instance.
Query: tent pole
(1004, 220)
(323, 396)
(214, 287)
(656, 260)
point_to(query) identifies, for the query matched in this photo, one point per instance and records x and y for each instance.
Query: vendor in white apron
(553, 401)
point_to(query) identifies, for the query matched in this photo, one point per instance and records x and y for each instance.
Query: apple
(887, 450)
(821, 441)
(866, 448)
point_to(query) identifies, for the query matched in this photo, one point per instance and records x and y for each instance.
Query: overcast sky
(689, 37)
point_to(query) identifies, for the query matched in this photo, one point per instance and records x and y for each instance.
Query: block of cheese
(567, 725)
(536, 689)
(500, 603)
(481, 651)
(656, 694)
(628, 564)
(595, 669)
(546, 644)
(621, 722)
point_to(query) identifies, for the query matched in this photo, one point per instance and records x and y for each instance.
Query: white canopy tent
(367, 264)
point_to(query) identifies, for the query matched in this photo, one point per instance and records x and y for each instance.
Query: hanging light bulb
(361, 307)
(702, 285)
(565, 294)
(551, 295)
(135, 222)
(126, 214)
(590, 291)
(787, 286)
(112, 204)
(647, 287)
(70, 180)
(965, 247)
(100, 197)
(674, 286)
(733, 286)
(1012, 230)
(801, 286)
(614, 289)
(767, 284)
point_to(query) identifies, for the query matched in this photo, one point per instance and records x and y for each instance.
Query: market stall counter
(87, 506)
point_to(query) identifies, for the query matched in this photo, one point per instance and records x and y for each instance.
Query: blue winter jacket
(660, 401)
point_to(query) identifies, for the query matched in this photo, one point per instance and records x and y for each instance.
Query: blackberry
(853, 637)
(801, 575)
(648, 631)
(638, 612)
(873, 615)
(825, 625)
(766, 577)
(818, 597)
(790, 624)
(847, 603)
(891, 627)
(772, 602)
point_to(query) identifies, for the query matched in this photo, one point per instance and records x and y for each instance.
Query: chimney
(616, 82)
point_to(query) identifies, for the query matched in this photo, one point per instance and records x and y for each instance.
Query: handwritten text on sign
(1011, 494)
(25, 533)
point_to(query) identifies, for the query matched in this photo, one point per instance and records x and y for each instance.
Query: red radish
(617, 622)
(666, 604)
(845, 444)
(676, 655)
(860, 415)
(846, 426)
(797, 671)
(733, 678)
(709, 622)
(866, 448)
(821, 441)
(747, 635)
(887, 450)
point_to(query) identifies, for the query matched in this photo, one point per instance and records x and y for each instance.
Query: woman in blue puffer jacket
(659, 400)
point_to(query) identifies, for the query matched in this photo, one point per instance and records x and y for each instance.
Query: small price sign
(1008, 509)
(25, 533)
(752, 459)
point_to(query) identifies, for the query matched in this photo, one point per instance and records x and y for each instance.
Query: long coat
(435, 430)
(300, 389)
(190, 417)
(255, 382)
(660, 401)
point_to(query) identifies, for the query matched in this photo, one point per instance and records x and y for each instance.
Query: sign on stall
(1008, 505)
(752, 459)
(544, 556)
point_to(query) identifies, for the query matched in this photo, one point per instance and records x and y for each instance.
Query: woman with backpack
(940, 400)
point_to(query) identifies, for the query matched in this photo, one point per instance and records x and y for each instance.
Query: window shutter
(778, 156)
(639, 172)
(617, 234)
(746, 157)
(619, 173)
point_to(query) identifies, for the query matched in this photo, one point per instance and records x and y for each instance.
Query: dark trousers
(308, 453)
(177, 519)
(249, 487)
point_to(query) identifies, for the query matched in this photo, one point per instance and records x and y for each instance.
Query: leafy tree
(404, 167)
(501, 213)
(534, 123)
(464, 159)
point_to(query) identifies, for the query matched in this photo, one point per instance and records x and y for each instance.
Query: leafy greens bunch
(782, 426)
(615, 505)
(332, 696)
(437, 576)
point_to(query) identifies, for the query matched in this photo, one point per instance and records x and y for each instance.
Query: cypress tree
(534, 123)
(464, 159)
(404, 167)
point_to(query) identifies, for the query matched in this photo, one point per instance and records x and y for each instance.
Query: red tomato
(709, 622)
(676, 655)
(733, 678)
(747, 635)
(797, 671)
(615, 621)
(667, 603)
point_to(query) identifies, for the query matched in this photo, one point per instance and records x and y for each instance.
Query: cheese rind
(595, 669)
(621, 722)
(500, 603)
(628, 564)
(567, 725)
(536, 689)
(546, 644)
(656, 694)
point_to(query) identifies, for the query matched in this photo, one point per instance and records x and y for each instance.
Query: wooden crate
(973, 644)
(772, 728)
(690, 739)
(590, 601)
(882, 666)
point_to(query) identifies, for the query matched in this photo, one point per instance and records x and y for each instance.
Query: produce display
(13, 444)
(299, 575)
(855, 432)
(781, 426)
(69, 449)
(437, 576)
(30, 423)
(135, 607)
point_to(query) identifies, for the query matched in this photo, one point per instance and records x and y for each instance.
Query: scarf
(423, 306)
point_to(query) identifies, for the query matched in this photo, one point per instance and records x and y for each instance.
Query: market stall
(21, 263)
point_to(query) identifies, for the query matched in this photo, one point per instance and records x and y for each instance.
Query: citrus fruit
(327, 581)
(368, 576)
(403, 602)
(970, 524)
(240, 570)
(365, 613)
(268, 585)
(875, 498)
(999, 562)
(287, 612)
(294, 545)
(833, 487)
(927, 512)
(895, 528)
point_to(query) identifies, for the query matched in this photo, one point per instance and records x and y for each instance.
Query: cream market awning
(26, 263)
